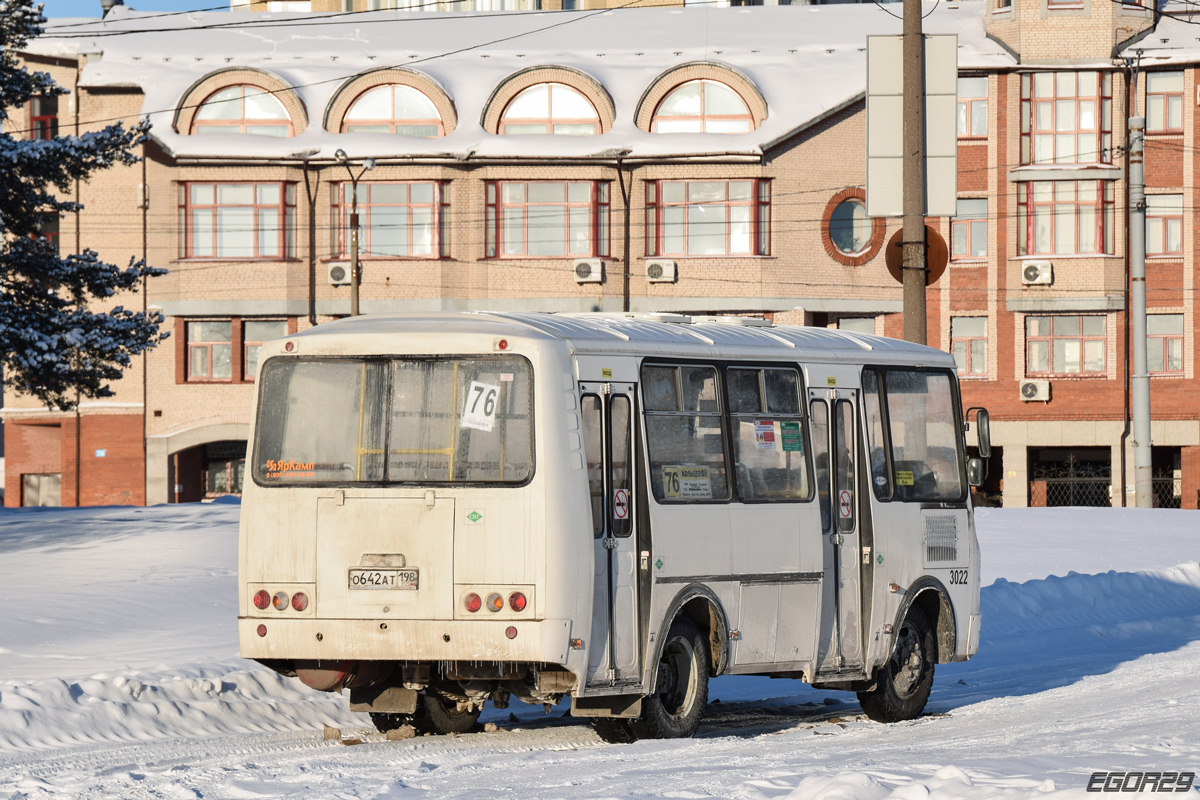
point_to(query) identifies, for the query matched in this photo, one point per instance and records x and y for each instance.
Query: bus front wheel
(903, 683)
(673, 711)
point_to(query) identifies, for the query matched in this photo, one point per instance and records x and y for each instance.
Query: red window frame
(551, 121)
(1054, 336)
(1047, 98)
(43, 117)
(704, 117)
(970, 108)
(1159, 104)
(190, 207)
(968, 369)
(967, 230)
(497, 209)
(1163, 341)
(393, 121)
(248, 343)
(658, 210)
(1051, 202)
(1159, 226)
(208, 346)
(438, 207)
(239, 124)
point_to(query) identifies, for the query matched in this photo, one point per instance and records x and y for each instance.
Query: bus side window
(876, 445)
(769, 449)
(819, 420)
(592, 432)
(619, 446)
(684, 434)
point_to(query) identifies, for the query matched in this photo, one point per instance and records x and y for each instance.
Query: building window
(210, 350)
(395, 109)
(395, 220)
(1164, 225)
(968, 342)
(236, 220)
(242, 110)
(254, 334)
(972, 106)
(1164, 101)
(43, 117)
(550, 108)
(1003, 5)
(1066, 117)
(850, 229)
(1164, 344)
(968, 230)
(1065, 345)
(224, 468)
(547, 218)
(702, 107)
(708, 218)
(857, 325)
(47, 231)
(1065, 217)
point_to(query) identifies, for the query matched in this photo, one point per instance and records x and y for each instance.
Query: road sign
(621, 504)
(844, 504)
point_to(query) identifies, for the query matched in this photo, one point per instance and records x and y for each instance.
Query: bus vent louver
(941, 538)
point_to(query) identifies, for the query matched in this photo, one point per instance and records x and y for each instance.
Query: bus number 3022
(958, 577)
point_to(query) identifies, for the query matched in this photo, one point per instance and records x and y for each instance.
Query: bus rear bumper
(546, 641)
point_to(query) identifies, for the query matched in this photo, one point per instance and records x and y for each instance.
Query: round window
(850, 229)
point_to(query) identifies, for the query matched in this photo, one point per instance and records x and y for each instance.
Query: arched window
(242, 109)
(550, 108)
(394, 108)
(702, 107)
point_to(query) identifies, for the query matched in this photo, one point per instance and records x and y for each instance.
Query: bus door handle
(610, 543)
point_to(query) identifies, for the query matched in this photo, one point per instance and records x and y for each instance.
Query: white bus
(450, 508)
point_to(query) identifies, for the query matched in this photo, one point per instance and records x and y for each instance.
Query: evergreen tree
(54, 340)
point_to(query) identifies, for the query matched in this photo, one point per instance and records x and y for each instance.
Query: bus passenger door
(607, 429)
(835, 451)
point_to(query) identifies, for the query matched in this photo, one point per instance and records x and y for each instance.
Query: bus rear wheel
(444, 716)
(903, 683)
(673, 711)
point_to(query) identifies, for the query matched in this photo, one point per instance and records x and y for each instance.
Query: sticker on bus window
(687, 483)
(764, 435)
(904, 477)
(789, 432)
(278, 469)
(479, 410)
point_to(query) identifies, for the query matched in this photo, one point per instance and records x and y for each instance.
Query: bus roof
(648, 334)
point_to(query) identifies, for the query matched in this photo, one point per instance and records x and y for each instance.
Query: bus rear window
(399, 421)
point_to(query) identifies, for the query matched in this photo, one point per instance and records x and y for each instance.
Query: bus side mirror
(983, 431)
(976, 471)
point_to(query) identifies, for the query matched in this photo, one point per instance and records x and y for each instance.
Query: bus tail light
(472, 602)
(262, 599)
(495, 602)
(280, 601)
(517, 601)
(299, 601)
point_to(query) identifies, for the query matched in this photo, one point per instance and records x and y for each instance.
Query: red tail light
(280, 600)
(495, 602)
(473, 603)
(262, 599)
(517, 601)
(299, 601)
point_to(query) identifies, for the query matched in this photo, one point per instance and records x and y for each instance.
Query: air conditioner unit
(1032, 391)
(589, 270)
(660, 270)
(339, 273)
(1037, 272)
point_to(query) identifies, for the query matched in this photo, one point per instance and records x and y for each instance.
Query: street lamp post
(367, 165)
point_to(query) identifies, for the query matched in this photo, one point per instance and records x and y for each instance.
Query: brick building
(697, 160)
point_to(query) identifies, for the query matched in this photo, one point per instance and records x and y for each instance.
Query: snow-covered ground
(119, 678)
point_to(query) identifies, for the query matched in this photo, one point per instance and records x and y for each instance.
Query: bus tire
(385, 721)
(903, 683)
(614, 731)
(673, 711)
(444, 717)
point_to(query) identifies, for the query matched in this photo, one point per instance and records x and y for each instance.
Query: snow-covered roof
(646, 334)
(805, 60)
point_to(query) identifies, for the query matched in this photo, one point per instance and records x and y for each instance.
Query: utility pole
(913, 266)
(367, 165)
(1143, 481)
